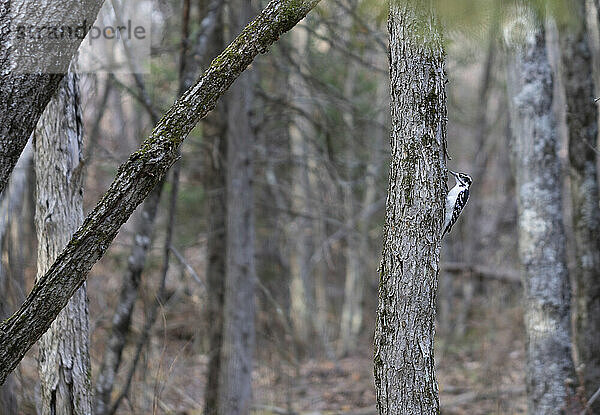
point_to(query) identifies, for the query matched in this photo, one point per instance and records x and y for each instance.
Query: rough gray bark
(582, 124)
(237, 350)
(404, 366)
(64, 361)
(136, 178)
(550, 374)
(302, 287)
(26, 85)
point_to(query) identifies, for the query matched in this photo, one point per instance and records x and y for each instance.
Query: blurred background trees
(313, 189)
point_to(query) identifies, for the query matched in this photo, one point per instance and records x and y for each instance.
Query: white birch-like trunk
(64, 363)
(550, 375)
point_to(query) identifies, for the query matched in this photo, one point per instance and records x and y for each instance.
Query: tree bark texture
(405, 380)
(237, 349)
(582, 123)
(26, 84)
(550, 371)
(64, 361)
(136, 178)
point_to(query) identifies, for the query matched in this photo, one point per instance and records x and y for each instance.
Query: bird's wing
(461, 201)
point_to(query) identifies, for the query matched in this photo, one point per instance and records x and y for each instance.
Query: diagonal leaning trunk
(64, 361)
(550, 373)
(404, 366)
(135, 180)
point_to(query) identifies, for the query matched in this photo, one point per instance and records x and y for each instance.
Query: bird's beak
(456, 177)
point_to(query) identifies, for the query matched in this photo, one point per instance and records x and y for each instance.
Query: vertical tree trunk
(550, 374)
(404, 365)
(64, 363)
(215, 168)
(235, 383)
(216, 210)
(301, 130)
(582, 123)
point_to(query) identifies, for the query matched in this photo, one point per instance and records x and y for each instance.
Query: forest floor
(479, 372)
(469, 384)
(346, 386)
(328, 387)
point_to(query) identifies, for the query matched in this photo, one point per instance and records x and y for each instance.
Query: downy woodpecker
(456, 199)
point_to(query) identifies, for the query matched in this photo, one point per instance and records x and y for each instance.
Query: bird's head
(462, 178)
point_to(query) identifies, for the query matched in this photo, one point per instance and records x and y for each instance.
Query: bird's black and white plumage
(456, 199)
